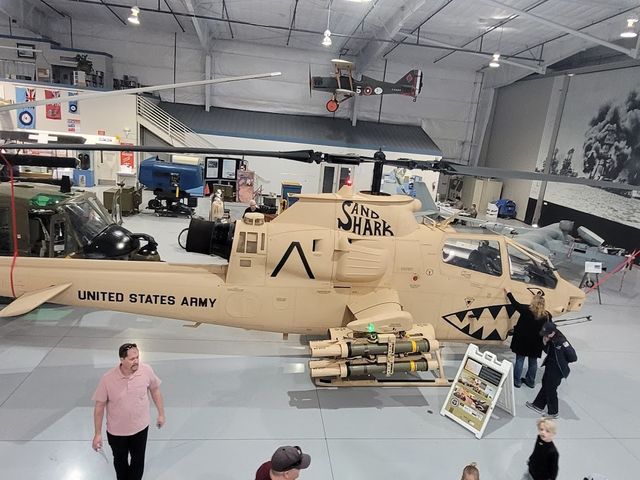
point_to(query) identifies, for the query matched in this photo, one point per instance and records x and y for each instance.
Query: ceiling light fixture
(495, 60)
(133, 18)
(326, 41)
(630, 31)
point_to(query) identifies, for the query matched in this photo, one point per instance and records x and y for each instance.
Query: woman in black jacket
(526, 341)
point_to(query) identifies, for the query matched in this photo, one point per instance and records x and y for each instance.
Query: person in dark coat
(560, 354)
(526, 341)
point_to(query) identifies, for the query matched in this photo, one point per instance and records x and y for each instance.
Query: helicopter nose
(576, 302)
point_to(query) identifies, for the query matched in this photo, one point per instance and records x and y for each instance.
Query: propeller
(311, 156)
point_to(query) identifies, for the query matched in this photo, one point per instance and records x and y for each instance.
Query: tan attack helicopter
(358, 266)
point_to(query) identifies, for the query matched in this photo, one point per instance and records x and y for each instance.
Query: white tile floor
(233, 396)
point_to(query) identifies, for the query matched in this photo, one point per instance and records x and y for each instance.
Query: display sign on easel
(481, 384)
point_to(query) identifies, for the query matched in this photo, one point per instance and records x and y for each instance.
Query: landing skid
(382, 382)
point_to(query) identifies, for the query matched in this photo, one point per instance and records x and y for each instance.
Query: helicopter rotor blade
(312, 156)
(453, 169)
(128, 91)
(40, 161)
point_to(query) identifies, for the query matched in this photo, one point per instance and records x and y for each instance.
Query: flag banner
(53, 110)
(26, 115)
(73, 106)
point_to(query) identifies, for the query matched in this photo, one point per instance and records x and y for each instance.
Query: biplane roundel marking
(26, 118)
(332, 106)
(368, 90)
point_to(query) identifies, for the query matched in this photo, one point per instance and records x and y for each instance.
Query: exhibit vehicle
(342, 85)
(49, 223)
(172, 185)
(360, 266)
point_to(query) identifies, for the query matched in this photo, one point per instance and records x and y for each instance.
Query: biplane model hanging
(342, 85)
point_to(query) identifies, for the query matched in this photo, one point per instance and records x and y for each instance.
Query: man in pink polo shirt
(124, 391)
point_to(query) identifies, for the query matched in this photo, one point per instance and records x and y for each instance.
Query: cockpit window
(87, 216)
(479, 255)
(525, 268)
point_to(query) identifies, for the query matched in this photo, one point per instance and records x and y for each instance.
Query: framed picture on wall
(211, 168)
(26, 50)
(229, 169)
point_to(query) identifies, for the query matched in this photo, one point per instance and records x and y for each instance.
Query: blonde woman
(526, 341)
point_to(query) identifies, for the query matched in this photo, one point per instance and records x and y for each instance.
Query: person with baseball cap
(560, 354)
(286, 463)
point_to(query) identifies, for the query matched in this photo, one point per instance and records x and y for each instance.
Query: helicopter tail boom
(32, 300)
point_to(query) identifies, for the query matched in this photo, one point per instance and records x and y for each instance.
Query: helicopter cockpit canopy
(99, 237)
(88, 217)
(529, 267)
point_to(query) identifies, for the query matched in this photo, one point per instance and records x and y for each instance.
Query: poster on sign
(127, 161)
(480, 383)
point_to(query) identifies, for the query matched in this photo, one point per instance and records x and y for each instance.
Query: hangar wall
(110, 115)
(600, 120)
(445, 109)
(515, 140)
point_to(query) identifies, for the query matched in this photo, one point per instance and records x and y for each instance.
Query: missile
(328, 368)
(342, 349)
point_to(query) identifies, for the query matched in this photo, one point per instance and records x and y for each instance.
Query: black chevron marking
(494, 336)
(495, 310)
(478, 334)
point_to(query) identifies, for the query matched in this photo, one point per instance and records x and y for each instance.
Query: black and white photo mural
(599, 138)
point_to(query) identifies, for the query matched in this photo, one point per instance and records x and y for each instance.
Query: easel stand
(586, 281)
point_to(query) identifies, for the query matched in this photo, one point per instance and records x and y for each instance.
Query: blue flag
(73, 106)
(26, 115)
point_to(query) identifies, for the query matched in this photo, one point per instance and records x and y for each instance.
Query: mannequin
(217, 207)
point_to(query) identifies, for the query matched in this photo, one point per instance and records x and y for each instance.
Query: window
(252, 242)
(241, 240)
(525, 268)
(478, 255)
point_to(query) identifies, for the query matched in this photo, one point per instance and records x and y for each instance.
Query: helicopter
(386, 287)
(55, 222)
(343, 85)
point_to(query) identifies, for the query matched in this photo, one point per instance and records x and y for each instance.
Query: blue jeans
(530, 378)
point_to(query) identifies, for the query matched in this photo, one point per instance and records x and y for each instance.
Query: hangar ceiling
(529, 34)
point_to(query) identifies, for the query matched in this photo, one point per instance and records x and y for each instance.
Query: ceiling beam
(417, 29)
(53, 8)
(114, 13)
(225, 13)
(541, 69)
(201, 30)
(492, 28)
(293, 21)
(571, 31)
(390, 29)
(174, 16)
(360, 23)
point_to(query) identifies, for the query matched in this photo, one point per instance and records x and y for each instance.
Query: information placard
(476, 389)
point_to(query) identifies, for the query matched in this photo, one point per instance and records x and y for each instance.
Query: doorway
(334, 177)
